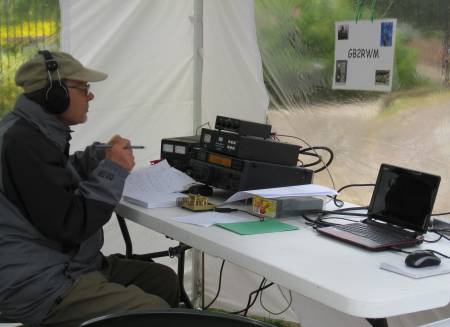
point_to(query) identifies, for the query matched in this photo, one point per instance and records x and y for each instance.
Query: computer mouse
(422, 258)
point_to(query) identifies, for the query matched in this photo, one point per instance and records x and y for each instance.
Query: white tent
(173, 66)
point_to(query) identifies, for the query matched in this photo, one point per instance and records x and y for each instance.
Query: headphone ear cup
(57, 98)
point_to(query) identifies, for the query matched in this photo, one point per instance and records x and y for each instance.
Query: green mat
(258, 227)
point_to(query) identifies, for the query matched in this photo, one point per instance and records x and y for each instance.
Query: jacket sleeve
(55, 201)
(84, 162)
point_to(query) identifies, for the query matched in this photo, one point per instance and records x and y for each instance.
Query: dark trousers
(122, 285)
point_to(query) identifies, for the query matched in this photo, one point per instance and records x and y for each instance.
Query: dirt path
(363, 136)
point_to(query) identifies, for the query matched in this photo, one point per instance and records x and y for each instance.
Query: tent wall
(232, 69)
(148, 49)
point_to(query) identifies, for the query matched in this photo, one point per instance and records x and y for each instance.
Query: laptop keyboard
(377, 234)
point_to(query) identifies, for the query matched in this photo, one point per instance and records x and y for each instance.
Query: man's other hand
(119, 153)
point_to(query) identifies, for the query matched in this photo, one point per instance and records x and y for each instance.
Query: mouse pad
(397, 265)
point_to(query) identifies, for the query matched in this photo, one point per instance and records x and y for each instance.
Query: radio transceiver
(249, 147)
(243, 127)
(178, 150)
(237, 174)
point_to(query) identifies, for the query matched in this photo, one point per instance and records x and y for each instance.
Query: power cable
(325, 166)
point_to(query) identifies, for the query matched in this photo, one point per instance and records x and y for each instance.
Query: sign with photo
(364, 55)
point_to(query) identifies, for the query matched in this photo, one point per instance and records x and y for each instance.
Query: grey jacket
(52, 209)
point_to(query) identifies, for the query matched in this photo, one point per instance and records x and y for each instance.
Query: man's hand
(119, 153)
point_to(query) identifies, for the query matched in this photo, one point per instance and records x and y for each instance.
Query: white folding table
(322, 271)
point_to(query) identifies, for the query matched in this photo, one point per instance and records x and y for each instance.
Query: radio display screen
(219, 160)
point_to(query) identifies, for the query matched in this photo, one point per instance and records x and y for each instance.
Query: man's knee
(172, 285)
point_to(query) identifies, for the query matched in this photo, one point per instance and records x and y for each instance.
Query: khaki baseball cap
(33, 75)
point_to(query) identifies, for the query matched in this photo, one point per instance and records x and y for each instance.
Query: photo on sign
(386, 34)
(343, 32)
(382, 77)
(341, 71)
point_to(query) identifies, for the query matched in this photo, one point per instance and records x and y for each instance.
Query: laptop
(398, 214)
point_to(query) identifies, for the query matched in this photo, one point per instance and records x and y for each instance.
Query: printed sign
(364, 55)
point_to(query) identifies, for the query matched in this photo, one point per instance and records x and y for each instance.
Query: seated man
(53, 206)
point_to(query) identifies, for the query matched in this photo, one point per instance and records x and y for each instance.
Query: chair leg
(126, 236)
(183, 295)
(178, 251)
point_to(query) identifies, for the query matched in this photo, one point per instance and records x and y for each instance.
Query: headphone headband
(50, 62)
(56, 96)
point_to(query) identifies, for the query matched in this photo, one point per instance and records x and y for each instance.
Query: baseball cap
(33, 75)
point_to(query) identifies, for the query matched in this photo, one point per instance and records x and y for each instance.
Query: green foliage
(405, 75)
(296, 38)
(8, 88)
(25, 27)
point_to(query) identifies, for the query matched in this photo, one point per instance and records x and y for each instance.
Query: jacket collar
(48, 124)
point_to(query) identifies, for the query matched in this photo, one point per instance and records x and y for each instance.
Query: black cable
(408, 252)
(440, 214)
(207, 123)
(226, 210)
(320, 160)
(442, 235)
(289, 302)
(312, 148)
(256, 296)
(344, 213)
(315, 154)
(339, 203)
(349, 209)
(218, 289)
(441, 254)
(399, 250)
(317, 220)
(251, 301)
(434, 241)
(249, 298)
(341, 218)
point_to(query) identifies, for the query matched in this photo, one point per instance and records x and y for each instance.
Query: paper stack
(288, 191)
(156, 186)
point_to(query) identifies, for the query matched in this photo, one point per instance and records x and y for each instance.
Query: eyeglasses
(84, 88)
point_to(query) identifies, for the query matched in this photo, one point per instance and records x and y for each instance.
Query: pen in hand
(107, 146)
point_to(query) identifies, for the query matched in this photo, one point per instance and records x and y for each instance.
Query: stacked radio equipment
(237, 155)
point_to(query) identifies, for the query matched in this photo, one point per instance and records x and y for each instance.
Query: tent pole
(197, 268)
(198, 63)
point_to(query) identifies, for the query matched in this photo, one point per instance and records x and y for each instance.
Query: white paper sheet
(155, 199)
(207, 219)
(156, 186)
(399, 267)
(289, 191)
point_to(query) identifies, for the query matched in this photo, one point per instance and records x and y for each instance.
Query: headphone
(56, 95)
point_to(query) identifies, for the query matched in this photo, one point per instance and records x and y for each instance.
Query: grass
(419, 97)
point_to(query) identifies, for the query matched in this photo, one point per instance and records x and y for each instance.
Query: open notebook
(156, 186)
(398, 214)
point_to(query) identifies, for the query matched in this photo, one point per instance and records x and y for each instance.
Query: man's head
(60, 81)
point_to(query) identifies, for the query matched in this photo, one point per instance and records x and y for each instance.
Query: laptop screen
(404, 197)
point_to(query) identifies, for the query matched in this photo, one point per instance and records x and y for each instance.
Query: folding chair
(178, 251)
(174, 318)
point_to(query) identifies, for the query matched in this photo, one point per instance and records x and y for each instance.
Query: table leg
(196, 278)
(378, 322)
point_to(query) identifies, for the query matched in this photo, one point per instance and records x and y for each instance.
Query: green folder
(258, 227)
